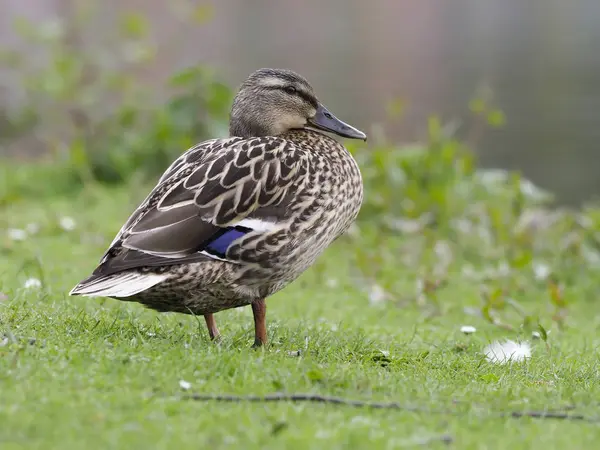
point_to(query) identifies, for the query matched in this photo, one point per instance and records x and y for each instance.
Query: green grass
(98, 373)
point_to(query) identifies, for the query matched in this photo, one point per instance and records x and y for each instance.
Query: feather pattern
(232, 221)
(260, 209)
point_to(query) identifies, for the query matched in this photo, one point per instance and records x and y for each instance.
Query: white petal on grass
(32, 283)
(361, 420)
(468, 329)
(16, 234)
(502, 352)
(324, 434)
(67, 223)
(463, 226)
(443, 251)
(504, 269)
(331, 283)
(419, 286)
(32, 228)
(185, 385)
(410, 226)
(475, 312)
(469, 272)
(376, 295)
(541, 271)
(407, 226)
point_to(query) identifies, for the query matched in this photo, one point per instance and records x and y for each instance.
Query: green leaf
(134, 25)
(381, 358)
(187, 77)
(496, 118)
(203, 14)
(522, 260)
(11, 58)
(477, 105)
(435, 128)
(543, 332)
(25, 28)
(489, 378)
(315, 375)
(395, 108)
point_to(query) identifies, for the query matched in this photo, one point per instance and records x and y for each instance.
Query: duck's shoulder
(198, 154)
(239, 149)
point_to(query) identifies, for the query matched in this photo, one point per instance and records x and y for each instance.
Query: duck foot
(259, 311)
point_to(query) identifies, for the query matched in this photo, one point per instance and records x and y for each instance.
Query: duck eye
(290, 90)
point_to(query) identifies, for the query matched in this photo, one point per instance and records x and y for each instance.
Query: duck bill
(326, 121)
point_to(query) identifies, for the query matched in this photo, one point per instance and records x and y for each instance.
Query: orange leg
(259, 310)
(211, 324)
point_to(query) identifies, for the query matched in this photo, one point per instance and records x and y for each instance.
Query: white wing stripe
(259, 225)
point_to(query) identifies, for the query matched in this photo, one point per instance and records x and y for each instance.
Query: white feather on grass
(502, 352)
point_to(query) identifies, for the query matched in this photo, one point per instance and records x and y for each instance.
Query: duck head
(273, 101)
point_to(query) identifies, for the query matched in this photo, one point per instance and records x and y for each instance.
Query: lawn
(98, 373)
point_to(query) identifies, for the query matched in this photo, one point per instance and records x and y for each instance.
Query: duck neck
(247, 129)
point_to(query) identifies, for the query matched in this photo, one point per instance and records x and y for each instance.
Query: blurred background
(76, 73)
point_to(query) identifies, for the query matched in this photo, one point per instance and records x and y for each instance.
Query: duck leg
(259, 310)
(211, 324)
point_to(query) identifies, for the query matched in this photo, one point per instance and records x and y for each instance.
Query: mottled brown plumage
(234, 220)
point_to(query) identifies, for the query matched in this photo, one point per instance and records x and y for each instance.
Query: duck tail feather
(124, 284)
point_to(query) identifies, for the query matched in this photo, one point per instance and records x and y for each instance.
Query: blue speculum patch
(224, 241)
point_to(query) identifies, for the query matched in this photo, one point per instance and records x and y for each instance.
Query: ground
(99, 373)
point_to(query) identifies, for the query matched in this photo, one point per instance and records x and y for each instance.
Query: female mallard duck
(235, 220)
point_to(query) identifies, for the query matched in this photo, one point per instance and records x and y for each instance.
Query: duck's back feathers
(214, 194)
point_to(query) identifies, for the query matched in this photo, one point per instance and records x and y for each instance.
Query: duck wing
(212, 195)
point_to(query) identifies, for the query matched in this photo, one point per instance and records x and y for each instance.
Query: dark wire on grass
(314, 398)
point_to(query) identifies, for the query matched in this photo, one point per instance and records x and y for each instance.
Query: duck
(234, 220)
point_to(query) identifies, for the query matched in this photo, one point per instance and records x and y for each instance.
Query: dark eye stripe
(303, 95)
(307, 98)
